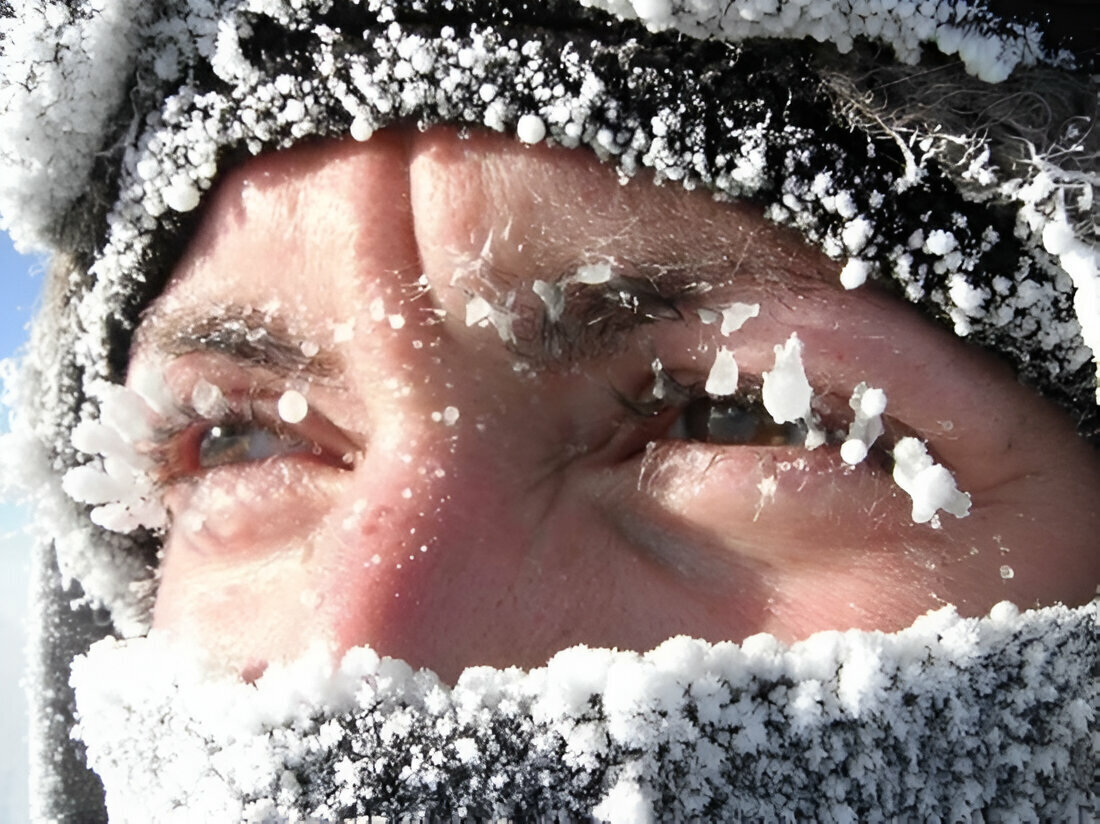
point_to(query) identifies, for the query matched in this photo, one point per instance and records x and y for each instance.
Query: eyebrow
(242, 333)
(598, 319)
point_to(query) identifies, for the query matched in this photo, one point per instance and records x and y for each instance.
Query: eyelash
(177, 450)
(734, 413)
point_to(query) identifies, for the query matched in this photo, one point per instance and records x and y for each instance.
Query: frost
(361, 129)
(856, 234)
(181, 195)
(940, 242)
(732, 317)
(118, 481)
(553, 298)
(786, 392)
(292, 406)
(931, 486)
(988, 47)
(868, 404)
(757, 730)
(377, 309)
(531, 129)
(855, 273)
(722, 379)
(69, 83)
(343, 332)
(593, 273)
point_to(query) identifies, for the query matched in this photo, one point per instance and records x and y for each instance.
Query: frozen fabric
(946, 719)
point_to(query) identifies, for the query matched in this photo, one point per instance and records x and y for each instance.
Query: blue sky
(20, 282)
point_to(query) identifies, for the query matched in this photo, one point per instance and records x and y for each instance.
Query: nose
(474, 529)
(462, 534)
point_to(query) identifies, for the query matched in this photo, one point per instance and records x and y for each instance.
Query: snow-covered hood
(117, 117)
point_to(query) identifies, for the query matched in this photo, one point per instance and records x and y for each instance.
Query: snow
(868, 404)
(593, 273)
(732, 317)
(292, 406)
(723, 375)
(931, 486)
(855, 273)
(531, 129)
(904, 720)
(787, 394)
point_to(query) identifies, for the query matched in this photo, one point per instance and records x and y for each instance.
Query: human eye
(252, 428)
(246, 460)
(732, 421)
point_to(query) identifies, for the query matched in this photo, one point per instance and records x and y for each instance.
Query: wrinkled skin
(548, 514)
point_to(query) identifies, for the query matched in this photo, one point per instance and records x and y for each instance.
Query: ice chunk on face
(207, 400)
(531, 129)
(552, 296)
(723, 376)
(593, 273)
(478, 310)
(732, 317)
(292, 406)
(868, 404)
(931, 486)
(787, 393)
(854, 274)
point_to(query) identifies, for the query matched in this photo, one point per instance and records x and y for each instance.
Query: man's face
(481, 472)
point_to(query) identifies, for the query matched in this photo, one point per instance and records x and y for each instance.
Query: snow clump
(868, 403)
(722, 380)
(531, 129)
(731, 317)
(930, 485)
(292, 406)
(787, 394)
(118, 481)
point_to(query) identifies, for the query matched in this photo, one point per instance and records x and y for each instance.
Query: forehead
(326, 225)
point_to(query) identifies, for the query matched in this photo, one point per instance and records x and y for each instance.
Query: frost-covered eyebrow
(595, 319)
(242, 333)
